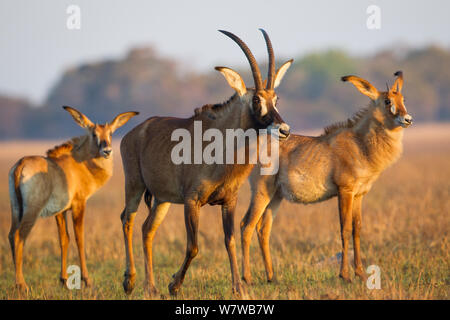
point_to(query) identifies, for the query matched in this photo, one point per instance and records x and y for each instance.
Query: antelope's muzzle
(105, 150)
(282, 130)
(405, 121)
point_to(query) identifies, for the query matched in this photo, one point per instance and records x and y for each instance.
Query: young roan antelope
(62, 181)
(146, 155)
(344, 161)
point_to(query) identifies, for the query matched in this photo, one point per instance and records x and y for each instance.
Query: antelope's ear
(398, 84)
(281, 72)
(234, 80)
(121, 119)
(79, 118)
(363, 86)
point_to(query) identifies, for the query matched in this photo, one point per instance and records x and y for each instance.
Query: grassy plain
(406, 225)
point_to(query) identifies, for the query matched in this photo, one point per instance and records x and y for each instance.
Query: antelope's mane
(67, 147)
(349, 123)
(214, 111)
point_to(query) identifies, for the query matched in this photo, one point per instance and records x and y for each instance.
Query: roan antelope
(62, 181)
(146, 155)
(344, 161)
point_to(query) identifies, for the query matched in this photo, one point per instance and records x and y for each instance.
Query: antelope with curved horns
(345, 161)
(62, 181)
(148, 168)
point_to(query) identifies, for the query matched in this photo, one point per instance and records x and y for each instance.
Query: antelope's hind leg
(228, 210)
(156, 215)
(133, 195)
(191, 217)
(11, 237)
(17, 240)
(63, 233)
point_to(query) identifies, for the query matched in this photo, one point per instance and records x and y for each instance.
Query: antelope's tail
(148, 198)
(15, 193)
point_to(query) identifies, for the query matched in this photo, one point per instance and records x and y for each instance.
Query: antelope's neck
(246, 120)
(238, 117)
(381, 145)
(100, 168)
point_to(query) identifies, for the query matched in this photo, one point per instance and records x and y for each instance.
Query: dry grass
(405, 232)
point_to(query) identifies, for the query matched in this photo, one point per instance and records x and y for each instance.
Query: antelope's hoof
(361, 274)
(345, 278)
(240, 292)
(63, 281)
(272, 280)
(23, 288)
(151, 291)
(129, 282)
(87, 282)
(173, 288)
(247, 280)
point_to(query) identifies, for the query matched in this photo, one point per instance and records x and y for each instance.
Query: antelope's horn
(399, 74)
(271, 67)
(251, 59)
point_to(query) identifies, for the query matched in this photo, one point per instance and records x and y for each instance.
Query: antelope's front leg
(61, 222)
(230, 243)
(263, 230)
(359, 269)
(78, 226)
(345, 215)
(156, 215)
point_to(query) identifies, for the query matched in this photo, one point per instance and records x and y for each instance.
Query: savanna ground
(406, 224)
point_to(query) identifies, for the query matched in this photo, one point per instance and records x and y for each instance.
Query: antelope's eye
(94, 135)
(256, 99)
(387, 102)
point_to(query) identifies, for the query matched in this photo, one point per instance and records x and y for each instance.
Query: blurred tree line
(311, 95)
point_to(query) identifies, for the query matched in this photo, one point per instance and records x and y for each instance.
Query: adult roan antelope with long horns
(146, 154)
(344, 161)
(62, 181)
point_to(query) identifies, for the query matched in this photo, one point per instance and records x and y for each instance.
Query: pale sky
(36, 46)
